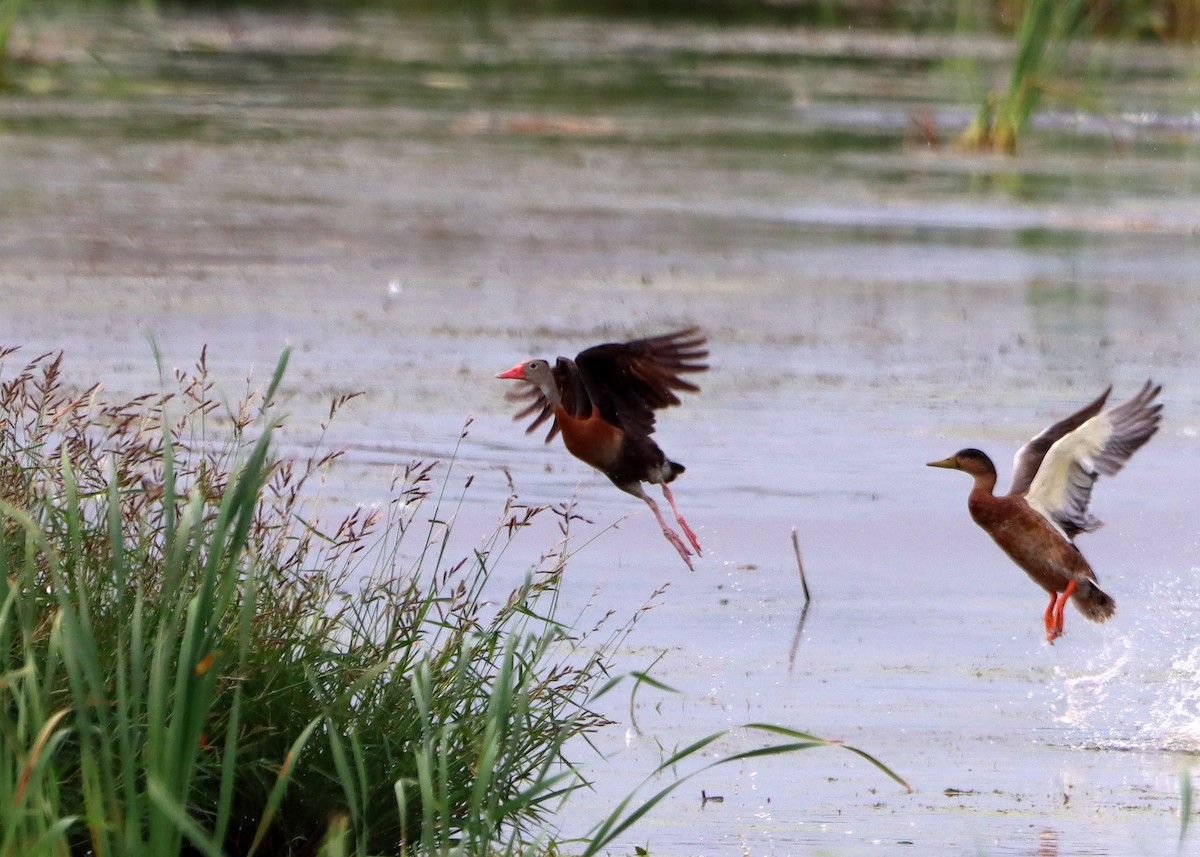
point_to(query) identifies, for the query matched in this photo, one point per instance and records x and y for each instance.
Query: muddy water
(415, 206)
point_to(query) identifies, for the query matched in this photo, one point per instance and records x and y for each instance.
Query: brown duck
(603, 403)
(1036, 522)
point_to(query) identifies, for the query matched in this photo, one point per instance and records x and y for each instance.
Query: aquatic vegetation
(189, 657)
(191, 660)
(1045, 31)
(1185, 804)
(627, 812)
(9, 11)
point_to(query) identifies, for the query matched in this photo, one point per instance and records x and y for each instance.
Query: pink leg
(687, 531)
(669, 533)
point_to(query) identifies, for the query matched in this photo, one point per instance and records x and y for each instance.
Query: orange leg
(1048, 618)
(687, 531)
(1062, 604)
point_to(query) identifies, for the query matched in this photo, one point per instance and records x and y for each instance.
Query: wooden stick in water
(800, 566)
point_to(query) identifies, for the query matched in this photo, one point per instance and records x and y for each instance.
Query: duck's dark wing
(629, 381)
(1062, 489)
(571, 390)
(536, 404)
(1029, 457)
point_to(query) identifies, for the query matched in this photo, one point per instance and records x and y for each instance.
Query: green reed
(1045, 32)
(188, 657)
(10, 10)
(1185, 804)
(191, 661)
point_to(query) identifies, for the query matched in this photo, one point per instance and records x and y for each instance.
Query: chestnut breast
(591, 439)
(1030, 540)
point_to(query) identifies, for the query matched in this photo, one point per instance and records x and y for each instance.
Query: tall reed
(189, 658)
(1045, 32)
(1185, 804)
(10, 10)
(190, 662)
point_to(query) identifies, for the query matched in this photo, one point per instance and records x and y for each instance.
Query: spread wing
(536, 404)
(571, 391)
(629, 381)
(1062, 488)
(1029, 457)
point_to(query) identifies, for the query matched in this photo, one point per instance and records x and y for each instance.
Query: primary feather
(1029, 457)
(626, 381)
(1061, 490)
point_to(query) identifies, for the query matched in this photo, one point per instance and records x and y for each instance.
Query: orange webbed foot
(1048, 619)
(1054, 613)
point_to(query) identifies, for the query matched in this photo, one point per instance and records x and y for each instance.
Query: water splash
(1141, 690)
(1179, 710)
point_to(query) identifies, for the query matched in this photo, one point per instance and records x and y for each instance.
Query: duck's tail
(1093, 602)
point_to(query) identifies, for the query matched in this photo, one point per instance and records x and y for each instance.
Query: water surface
(414, 206)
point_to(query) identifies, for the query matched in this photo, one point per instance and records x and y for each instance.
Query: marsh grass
(1045, 31)
(1185, 804)
(1051, 40)
(630, 810)
(10, 10)
(191, 663)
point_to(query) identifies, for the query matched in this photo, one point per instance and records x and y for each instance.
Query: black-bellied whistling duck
(1047, 505)
(604, 401)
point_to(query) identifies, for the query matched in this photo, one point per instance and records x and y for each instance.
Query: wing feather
(629, 381)
(537, 404)
(1029, 457)
(1062, 489)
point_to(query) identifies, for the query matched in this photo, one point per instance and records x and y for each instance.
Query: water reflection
(1047, 843)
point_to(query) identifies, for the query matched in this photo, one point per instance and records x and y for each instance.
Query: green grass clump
(1045, 31)
(189, 663)
(9, 11)
(192, 664)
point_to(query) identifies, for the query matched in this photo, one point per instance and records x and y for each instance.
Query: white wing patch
(1062, 489)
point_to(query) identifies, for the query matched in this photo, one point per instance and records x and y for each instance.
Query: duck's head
(536, 372)
(970, 461)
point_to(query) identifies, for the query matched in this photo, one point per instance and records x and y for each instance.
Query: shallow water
(415, 207)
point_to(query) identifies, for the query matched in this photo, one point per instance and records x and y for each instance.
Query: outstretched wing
(1062, 488)
(573, 396)
(629, 381)
(536, 404)
(1029, 457)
